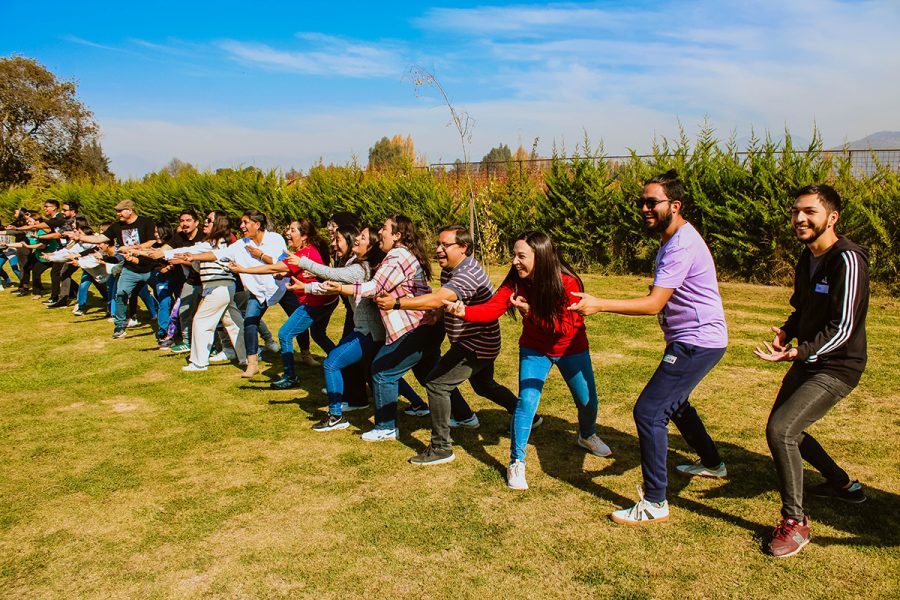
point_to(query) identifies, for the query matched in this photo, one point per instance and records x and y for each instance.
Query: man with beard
(187, 281)
(685, 297)
(830, 301)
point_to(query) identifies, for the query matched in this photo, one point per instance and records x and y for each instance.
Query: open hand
(772, 354)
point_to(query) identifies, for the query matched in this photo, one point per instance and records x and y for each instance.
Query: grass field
(122, 477)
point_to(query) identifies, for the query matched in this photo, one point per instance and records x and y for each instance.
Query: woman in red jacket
(539, 286)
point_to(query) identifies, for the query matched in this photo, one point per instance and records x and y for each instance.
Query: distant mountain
(883, 140)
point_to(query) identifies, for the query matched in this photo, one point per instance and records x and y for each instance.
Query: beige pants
(217, 304)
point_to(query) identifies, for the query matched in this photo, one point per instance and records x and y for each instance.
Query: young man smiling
(830, 301)
(685, 298)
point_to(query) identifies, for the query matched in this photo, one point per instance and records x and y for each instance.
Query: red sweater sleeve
(492, 309)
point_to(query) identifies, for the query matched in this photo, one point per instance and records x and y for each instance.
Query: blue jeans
(578, 373)
(13, 263)
(665, 398)
(163, 292)
(315, 319)
(419, 350)
(128, 281)
(352, 349)
(253, 314)
(86, 280)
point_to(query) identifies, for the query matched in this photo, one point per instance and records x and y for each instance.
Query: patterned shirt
(399, 276)
(471, 285)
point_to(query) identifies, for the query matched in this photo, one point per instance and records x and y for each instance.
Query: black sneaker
(61, 303)
(50, 301)
(431, 456)
(118, 334)
(285, 383)
(166, 343)
(854, 494)
(331, 423)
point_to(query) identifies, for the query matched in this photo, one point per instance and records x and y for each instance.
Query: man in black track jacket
(830, 301)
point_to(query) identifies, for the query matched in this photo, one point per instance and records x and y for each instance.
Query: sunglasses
(649, 202)
(208, 221)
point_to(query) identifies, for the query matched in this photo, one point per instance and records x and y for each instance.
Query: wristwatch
(397, 304)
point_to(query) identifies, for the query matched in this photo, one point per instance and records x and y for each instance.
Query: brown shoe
(252, 366)
(309, 360)
(789, 537)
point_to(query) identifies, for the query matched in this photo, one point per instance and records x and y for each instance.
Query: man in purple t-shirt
(685, 298)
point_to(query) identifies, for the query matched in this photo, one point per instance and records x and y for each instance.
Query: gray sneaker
(698, 470)
(470, 423)
(431, 456)
(118, 334)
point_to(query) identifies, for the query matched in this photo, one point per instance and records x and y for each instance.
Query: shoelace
(784, 528)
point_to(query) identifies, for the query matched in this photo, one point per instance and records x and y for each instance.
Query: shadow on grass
(874, 523)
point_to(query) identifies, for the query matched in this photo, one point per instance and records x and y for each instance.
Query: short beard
(816, 234)
(662, 223)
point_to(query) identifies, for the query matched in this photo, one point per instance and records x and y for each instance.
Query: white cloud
(330, 56)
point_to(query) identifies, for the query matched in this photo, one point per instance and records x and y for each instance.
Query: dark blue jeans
(665, 398)
(353, 348)
(163, 292)
(419, 350)
(315, 319)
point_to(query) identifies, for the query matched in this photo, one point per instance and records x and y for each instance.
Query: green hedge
(740, 202)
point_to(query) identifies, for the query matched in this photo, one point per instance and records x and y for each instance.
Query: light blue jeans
(534, 367)
(353, 348)
(313, 318)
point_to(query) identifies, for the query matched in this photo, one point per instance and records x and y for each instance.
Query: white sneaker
(515, 476)
(699, 470)
(219, 357)
(132, 323)
(381, 435)
(643, 512)
(273, 347)
(470, 423)
(192, 368)
(594, 445)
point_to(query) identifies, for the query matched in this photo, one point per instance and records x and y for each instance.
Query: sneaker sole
(590, 451)
(389, 438)
(706, 474)
(512, 487)
(417, 413)
(333, 427)
(836, 497)
(622, 521)
(794, 553)
(437, 461)
(351, 408)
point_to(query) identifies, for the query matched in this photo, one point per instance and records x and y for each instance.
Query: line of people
(203, 278)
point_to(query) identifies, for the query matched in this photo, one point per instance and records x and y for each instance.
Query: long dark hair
(165, 232)
(308, 228)
(221, 228)
(348, 233)
(375, 254)
(547, 299)
(84, 225)
(412, 241)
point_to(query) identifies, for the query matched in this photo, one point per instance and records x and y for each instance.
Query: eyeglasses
(649, 202)
(208, 221)
(444, 246)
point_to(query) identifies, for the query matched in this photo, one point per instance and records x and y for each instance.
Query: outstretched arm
(651, 304)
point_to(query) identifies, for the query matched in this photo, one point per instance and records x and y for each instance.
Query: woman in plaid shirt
(412, 338)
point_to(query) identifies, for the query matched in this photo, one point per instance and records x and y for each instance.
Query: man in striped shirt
(473, 346)
(830, 301)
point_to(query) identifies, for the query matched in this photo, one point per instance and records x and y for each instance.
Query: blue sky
(278, 84)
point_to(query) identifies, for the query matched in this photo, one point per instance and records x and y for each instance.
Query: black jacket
(829, 318)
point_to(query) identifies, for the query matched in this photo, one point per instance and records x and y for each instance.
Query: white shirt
(266, 288)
